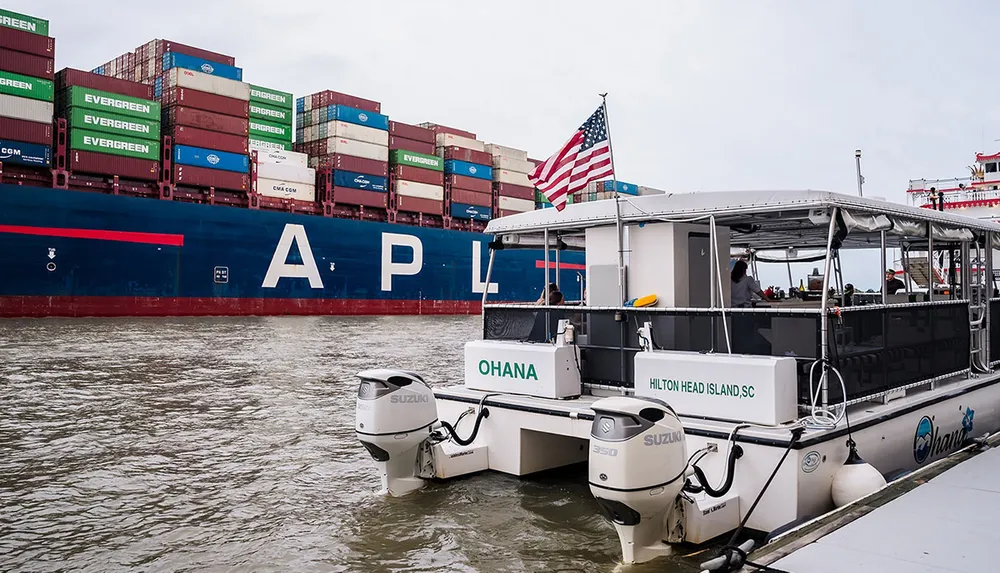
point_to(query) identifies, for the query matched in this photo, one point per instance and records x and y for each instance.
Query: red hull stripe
(42, 306)
(98, 234)
(563, 266)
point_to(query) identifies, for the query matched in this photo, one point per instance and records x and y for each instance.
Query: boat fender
(648, 300)
(855, 479)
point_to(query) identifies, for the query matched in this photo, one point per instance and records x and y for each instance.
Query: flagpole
(618, 209)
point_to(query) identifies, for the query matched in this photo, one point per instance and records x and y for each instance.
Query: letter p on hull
(389, 268)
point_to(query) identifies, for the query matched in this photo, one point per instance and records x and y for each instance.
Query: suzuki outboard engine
(638, 458)
(395, 414)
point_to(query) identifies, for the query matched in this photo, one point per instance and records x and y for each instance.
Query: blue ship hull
(76, 253)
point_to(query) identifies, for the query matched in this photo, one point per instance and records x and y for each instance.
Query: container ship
(160, 183)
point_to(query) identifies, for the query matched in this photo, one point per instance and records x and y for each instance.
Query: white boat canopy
(759, 219)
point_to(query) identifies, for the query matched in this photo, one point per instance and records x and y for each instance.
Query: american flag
(584, 158)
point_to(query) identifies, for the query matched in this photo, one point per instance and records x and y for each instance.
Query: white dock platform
(946, 524)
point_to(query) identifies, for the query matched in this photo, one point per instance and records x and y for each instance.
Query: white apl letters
(478, 284)
(280, 268)
(389, 268)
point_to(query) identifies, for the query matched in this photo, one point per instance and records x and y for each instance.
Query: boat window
(991, 167)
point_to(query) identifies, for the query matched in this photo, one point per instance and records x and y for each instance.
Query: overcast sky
(704, 95)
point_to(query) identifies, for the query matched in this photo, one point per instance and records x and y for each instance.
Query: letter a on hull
(280, 268)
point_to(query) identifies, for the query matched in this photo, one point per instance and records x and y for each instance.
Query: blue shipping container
(300, 105)
(175, 60)
(464, 211)
(25, 153)
(360, 181)
(99, 71)
(468, 169)
(158, 87)
(199, 157)
(356, 116)
(623, 187)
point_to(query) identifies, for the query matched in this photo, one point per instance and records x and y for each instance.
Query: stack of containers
(411, 138)
(113, 124)
(418, 180)
(271, 121)
(348, 135)
(601, 190)
(285, 175)
(26, 89)
(146, 63)
(515, 193)
(468, 173)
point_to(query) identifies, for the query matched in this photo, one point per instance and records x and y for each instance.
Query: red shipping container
(161, 47)
(327, 97)
(355, 164)
(26, 131)
(69, 77)
(191, 117)
(417, 205)
(203, 177)
(516, 191)
(472, 197)
(108, 164)
(506, 213)
(469, 183)
(437, 128)
(27, 64)
(184, 135)
(419, 175)
(470, 155)
(349, 196)
(413, 132)
(206, 101)
(411, 145)
(22, 41)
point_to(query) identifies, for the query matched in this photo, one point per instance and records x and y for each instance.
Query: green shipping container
(17, 21)
(273, 98)
(414, 159)
(271, 114)
(84, 140)
(77, 96)
(113, 123)
(262, 143)
(26, 86)
(269, 130)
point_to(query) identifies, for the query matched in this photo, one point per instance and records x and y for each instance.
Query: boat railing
(877, 349)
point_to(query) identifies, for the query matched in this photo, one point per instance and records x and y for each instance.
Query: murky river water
(228, 445)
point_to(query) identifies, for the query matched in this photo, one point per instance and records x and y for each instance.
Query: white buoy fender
(855, 479)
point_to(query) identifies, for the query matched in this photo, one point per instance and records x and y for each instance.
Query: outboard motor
(395, 414)
(638, 459)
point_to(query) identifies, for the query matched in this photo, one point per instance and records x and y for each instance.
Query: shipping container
(419, 175)
(423, 161)
(467, 155)
(26, 109)
(24, 22)
(512, 177)
(205, 139)
(468, 183)
(26, 131)
(419, 205)
(350, 115)
(201, 119)
(282, 157)
(28, 43)
(347, 131)
(107, 164)
(69, 77)
(339, 145)
(512, 204)
(26, 86)
(349, 196)
(407, 131)
(438, 128)
(296, 190)
(267, 145)
(468, 169)
(79, 96)
(192, 176)
(173, 60)
(410, 145)
(84, 140)
(277, 132)
(515, 165)
(154, 49)
(506, 152)
(466, 211)
(502, 213)
(271, 98)
(516, 191)
(327, 97)
(206, 102)
(27, 64)
(611, 186)
(24, 153)
(181, 78)
(286, 172)
(105, 122)
(472, 198)
(360, 181)
(211, 158)
(352, 163)
(452, 140)
(271, 114)
(421, 190)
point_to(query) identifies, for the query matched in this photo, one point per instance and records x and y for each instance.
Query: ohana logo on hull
(929, 442)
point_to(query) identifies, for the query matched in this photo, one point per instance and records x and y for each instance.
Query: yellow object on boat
(649, 299)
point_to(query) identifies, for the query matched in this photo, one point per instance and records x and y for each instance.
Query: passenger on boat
(744, 287)
(892, 284)
(547, 294)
